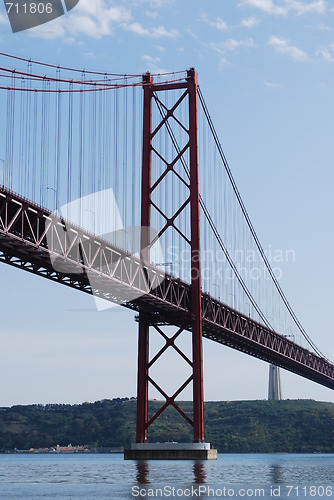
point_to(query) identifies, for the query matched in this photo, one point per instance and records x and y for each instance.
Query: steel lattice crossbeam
(33, 239)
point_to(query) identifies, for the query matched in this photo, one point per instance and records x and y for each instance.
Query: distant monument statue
(274, 387)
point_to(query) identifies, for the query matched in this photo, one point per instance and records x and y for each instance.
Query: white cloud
(325, 28)
(327, 53)
(151, 14)
(159, 3)
(151, 4)
(3, 19)
(250, 22)
(271, 85)
(157, 32)
(97, 19)
(283, 7)
(231, 44)
(217, 23)
(153, 64)
(151, 59)
(223, 63)
(266, 6)
(93, 19)
(228, 47)
(190, 32)
(50, 31)
(317, 7)
(283, 46)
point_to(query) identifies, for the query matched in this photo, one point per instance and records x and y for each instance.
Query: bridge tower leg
(199, 449)
(143, 331)
(196, 296)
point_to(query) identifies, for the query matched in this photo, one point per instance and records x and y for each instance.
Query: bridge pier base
(170, 451)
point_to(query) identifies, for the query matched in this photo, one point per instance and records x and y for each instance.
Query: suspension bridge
(118, 186)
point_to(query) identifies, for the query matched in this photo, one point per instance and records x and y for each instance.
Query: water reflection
(276, 473)
(142, 472)
(199, 473)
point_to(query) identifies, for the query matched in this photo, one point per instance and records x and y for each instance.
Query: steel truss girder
(169, 400)
(167, 304)
(66, 250)
(229, 327)
(166, 114)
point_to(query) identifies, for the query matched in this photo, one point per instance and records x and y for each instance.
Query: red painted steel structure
(151, 92)
(196, 305)
(31, 239)
(30, 236)
(143, 333)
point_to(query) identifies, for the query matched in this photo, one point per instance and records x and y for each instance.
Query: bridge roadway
(33, 239)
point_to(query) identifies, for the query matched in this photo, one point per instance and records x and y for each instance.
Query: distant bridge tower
(274, 387)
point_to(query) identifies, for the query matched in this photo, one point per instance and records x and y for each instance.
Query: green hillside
(300, 426)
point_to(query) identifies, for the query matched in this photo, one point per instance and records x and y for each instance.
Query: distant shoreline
(108, 426)
(51, 452)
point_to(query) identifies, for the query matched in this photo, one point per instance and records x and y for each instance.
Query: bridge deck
(33, 239)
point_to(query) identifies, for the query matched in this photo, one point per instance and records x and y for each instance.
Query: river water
(108, 476)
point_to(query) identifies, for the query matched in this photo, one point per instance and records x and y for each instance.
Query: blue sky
(266, 71)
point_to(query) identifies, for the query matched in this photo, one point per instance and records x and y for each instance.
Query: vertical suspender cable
(58, 147)
(69, 147)
(34, 179)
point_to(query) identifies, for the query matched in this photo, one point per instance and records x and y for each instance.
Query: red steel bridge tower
(198, 449)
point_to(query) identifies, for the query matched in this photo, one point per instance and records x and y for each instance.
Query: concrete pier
(170, 451)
